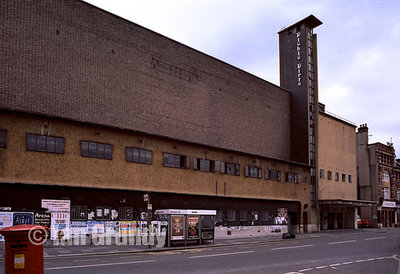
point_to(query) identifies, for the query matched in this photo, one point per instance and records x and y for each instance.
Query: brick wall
(71, 60)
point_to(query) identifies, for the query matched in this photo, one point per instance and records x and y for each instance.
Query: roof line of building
(337, 117)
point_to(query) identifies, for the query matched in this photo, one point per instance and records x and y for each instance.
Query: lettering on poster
(60, 226)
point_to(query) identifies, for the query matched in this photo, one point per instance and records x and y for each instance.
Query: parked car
(364, 223)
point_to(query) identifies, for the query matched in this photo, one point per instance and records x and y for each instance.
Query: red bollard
(24, 248)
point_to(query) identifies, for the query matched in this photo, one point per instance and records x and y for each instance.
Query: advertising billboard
(177, 227)
(193, 231)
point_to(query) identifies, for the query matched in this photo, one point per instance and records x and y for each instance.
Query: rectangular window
(230, 169)
(243, 215)
(264, 216)
(125, 213)
(343, 177)
(322, 173)
(253, 172)
(398, 195)
(231, 216)
(350, 179)
(96, 150)
(336, 176)
(137, 155)
(79, 213)
(203, 165)
(42, 143)
(176, 161)
(3, 135)
(218, 217)
(272, 174)
(292, 177)
(386, 194)
(329, 175)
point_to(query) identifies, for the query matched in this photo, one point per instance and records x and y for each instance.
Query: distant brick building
(99, 111)
(378, 180)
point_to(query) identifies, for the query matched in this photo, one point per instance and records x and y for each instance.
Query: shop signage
(22, 218)
(57, 205)
(388, 204)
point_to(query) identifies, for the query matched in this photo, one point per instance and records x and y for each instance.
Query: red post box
(24, 248)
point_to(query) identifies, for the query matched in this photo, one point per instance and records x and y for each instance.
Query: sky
(358, 46)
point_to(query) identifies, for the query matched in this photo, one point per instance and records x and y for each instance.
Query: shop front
(341, 214)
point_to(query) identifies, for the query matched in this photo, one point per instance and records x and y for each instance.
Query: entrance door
(305, 222)
(340, 216)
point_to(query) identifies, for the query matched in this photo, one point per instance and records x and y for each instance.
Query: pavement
(55, 249)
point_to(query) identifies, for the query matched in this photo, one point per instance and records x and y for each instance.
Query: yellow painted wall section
(71, 169)
(336, 153)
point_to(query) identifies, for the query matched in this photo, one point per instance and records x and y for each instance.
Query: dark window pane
(59, 145)
(100, 150)
(182, 161)
(84, 148)
(149, 157)
(108, 152)
(177, 161)
(31, 142)
(142, 156)
(51, 144)
(253, 172)
(230, 169)
(135, 155)
(92, 149)
(41, 143)
(2, 138)
(166, 159)
(264, 216)
(231, 215)
(243, 215)
(205, 165)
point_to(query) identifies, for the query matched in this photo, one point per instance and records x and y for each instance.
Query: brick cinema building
(99, 111)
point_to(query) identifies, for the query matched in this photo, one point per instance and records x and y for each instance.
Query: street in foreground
(372, 251)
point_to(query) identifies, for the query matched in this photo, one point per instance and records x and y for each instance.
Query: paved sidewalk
(51, 250)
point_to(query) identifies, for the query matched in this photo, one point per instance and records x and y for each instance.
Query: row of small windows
(44, 143)
(329, 176)
(180, 161)
(52, 144)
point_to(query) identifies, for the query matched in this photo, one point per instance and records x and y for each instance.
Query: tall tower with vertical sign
(298, 74)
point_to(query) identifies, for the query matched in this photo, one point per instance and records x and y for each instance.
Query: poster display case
(189, 226)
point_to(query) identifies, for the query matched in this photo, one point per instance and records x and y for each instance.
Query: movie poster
(193, 227)
(60, 226)
(177, 227)
(282, 218)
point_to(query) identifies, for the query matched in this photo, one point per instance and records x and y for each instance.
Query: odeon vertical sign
(298, 48)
